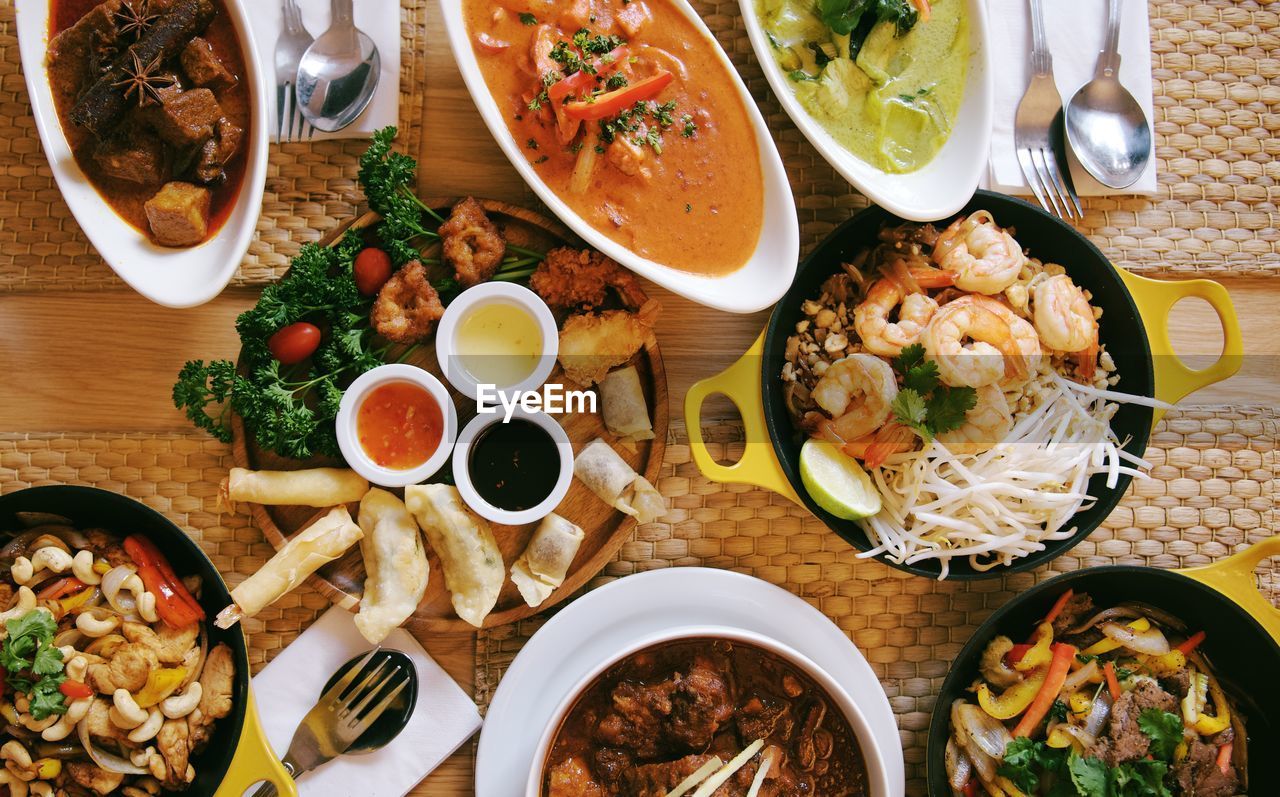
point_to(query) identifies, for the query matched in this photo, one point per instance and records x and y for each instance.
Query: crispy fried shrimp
(986, 424)
(1064, 320)
(978, 341)
(407, 307)
(593, 343)
(472, 244)
(571, 279)
(856, 392)
(871, 318)
(984, 257)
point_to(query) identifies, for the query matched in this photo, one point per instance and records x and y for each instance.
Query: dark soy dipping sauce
(514, 465)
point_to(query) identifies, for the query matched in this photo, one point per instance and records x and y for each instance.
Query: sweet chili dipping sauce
(399, 425)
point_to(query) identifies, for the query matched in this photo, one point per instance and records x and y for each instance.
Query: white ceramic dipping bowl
(519, 298)
(349, 440)
(462, 472)
(877, 774)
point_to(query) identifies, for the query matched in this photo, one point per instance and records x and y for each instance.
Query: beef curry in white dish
(152, 98)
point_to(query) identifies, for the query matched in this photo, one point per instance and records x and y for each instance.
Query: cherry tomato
(372, 269)
(294, 343)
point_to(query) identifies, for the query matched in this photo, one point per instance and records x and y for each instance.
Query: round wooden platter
(605, 528)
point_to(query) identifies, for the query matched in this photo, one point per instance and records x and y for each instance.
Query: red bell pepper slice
(1016, 653)
(1191, 643)
(75, 689)
(612, 102)
(581, 81)
(1063, 655)
(176, 606)
(59, 588)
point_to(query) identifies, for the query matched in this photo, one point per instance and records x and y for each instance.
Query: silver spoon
(1105, 125)
(338, 72)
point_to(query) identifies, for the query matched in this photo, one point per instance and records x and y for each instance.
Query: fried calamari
(571, 279)
(472, 244)
(407, 307)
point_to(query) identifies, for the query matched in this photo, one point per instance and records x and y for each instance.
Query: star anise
(144, 80)
(134, 17)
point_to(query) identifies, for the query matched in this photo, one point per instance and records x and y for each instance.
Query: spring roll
(318, 487)
(544, 563)
(321, 542)
(622, 404)
(468, 552)
(610, 477)
(395, 565)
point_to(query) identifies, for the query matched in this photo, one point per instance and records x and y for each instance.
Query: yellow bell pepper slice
(1107, 645)
(1014, 700)
(48, 768)
(160, 684)
(1208, 725)
(1080, 703)
(76, 601)
(1040, 653)
(1009, 788)
(1060, 739)
(1167, 664)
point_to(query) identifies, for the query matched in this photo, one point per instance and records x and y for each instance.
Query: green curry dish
(886, 84)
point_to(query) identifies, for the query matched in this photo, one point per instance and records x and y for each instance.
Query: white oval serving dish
(758, 284)
(942, 186)
(168, 276)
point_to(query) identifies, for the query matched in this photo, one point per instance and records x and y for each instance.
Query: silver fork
(1038, 112)
(340, 716)
(294, 41)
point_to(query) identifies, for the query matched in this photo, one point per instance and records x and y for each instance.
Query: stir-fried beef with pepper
(109, 684)
(705, 713)
(1098, 702)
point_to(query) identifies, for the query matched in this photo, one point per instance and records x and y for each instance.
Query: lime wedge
(836, 482)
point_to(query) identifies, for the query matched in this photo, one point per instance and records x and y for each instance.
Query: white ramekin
(495, 293)
(877, 773)
(462, 475)
(349, 440)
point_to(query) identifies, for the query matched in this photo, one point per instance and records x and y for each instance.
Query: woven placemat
(1211, 493)
(311, 186)
(1215, 67)
(178, 475)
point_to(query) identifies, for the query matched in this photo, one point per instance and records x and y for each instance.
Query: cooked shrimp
(989, 422)
(857, 392)
(1064, 319)
(978, 341)
(984, 257)
(871, 318)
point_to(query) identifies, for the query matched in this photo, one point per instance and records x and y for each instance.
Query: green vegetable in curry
(884, 79)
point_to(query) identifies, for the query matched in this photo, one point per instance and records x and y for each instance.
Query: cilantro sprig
(32, 664)
(925, 404)
(1036, 768)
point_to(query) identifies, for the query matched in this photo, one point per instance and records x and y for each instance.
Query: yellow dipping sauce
(499, 343)
(893, 102)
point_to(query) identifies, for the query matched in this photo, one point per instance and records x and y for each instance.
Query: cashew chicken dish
(110, 686)
(703, 717)
(1096, 702)
(968, 378)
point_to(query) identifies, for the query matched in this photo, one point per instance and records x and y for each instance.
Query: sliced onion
(959, 767)
(98, 646)
(1080, 677)
(1075, 732)
(983, 763)
(1150, 642)
(1099, 713)
(68, 636)
(193, 672)
(111, 584)
(987, 732)
(585, 164)
(1114, 613)
(108, 761)
(30, 519)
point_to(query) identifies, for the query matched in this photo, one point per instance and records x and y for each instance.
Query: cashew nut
(77, 667)
(39, 726)
(125, 712)
(156, 764)
(147, 730)
(18, 760)
(26, 602)
(180, 705)
(67, 723)
(91, 626)
(147, 607)
(41, 788)
(82, 568)
(22, 571)
(141, 756)
(47, 558)
(17, 786)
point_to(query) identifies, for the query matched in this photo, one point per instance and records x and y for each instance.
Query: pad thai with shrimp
(968, 379)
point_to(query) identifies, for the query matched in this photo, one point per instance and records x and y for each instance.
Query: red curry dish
(152, 97)
(627, 112)
(684, 713)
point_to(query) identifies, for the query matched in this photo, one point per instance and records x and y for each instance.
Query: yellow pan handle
(1155, 298)
(254, 761)
(1233, 577)
(740, 382)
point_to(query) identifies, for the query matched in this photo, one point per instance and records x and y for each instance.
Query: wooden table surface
(106, 361)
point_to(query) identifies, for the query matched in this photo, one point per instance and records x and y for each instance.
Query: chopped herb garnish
(690, 127)
(688, 208)
(924, 404)
(528, 19)
(532, 143)
(616, 81)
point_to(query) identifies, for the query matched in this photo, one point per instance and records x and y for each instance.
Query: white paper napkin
(378, 18)
(1076, 29)
(288, 687)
